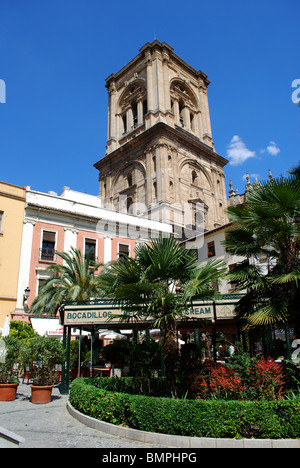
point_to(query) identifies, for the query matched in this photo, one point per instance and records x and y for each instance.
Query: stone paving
(51, 426)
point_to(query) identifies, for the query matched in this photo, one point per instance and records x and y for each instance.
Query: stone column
(129, 118)
(112, 111)
(205, 113)
(186, 118)
(149, 173)
(159, 84)
(166, 82)
(107, 249)
(198, 125)
(140, 111)
(70, 238)
(25, 260)
(176, 111)
(149, 82)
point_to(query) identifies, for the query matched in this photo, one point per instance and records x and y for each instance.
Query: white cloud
(272, 148)
(237, 151)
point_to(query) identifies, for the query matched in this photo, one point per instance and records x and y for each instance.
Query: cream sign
(102, 314)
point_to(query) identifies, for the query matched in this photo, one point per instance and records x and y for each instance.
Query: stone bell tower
(160, 152)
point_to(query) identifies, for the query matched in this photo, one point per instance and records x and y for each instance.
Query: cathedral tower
(160, 153)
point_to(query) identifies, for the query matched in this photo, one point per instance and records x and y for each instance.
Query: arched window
(132, 106)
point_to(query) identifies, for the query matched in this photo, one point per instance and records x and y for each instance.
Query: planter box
(8, 391)
(41, 395)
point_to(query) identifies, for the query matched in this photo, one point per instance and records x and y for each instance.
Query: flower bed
(194, 418)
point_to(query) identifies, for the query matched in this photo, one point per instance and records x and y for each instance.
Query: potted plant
(42, 354)
(9, 368)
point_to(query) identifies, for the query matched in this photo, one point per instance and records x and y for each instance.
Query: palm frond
(74, 280)
(202, 279)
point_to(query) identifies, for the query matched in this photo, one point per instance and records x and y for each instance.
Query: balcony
(47, 254)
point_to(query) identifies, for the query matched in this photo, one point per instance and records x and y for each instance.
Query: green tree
(22, 330)
(159, 283)
(75, 280)
(267, 226)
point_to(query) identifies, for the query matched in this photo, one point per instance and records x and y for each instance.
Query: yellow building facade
(12, 205)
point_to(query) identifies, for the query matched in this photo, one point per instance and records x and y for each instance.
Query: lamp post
(25, 297)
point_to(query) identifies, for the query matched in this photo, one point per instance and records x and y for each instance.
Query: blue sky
(55, 56)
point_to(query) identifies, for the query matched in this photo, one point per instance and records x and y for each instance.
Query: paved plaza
(51, 425)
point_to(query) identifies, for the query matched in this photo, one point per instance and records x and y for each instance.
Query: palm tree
(160, 283)
(75, 280)
(267, 225)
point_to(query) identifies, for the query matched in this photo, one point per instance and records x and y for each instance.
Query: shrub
(196, 418)
(132, 385)
(9, 369)
(140, 358)
(42, 354)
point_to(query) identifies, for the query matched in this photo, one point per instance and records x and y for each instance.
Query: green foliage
(75, 280)
(140, 358)
(9, 369)
(21, 330)
(242, 378)
(42, 354)
(132, 385)
(196, 418)
(85, 354)
(267, 226)
(160, 282)
(116, 352)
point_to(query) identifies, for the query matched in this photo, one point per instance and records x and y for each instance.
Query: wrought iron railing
(47, 254)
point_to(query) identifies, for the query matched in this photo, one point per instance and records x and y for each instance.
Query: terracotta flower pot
(41, 395)
(8, 391)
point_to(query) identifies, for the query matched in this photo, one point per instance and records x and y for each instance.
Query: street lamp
(25, 297)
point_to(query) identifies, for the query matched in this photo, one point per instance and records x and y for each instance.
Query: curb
(9, 439)
(166, 440)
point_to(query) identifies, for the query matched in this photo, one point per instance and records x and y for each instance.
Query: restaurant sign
(105, 313)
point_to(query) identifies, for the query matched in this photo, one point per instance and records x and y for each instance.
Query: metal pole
(92, 339)
(63, 366)
(68, 359)
(214, 332)
(79, 353)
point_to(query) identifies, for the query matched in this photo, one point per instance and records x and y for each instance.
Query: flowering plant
(219, 381)
(267, 379)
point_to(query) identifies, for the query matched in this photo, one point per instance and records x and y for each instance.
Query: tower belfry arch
(158, 117)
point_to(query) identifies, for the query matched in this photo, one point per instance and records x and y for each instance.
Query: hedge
(195, 418)
(133, 385)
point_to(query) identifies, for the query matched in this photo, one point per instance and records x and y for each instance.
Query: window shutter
(49, 236)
